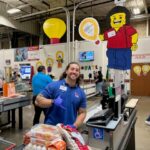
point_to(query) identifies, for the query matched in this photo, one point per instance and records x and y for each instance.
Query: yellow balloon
(54, 28)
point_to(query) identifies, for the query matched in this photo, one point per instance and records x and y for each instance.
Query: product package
(44, 137)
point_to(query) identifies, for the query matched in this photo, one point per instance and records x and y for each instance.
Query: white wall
(141, 55)
(5, 55)
(99, 59)
(44, 52)
(50, 50)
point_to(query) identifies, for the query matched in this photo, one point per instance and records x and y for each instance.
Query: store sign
(141, 70)
(140, 56)
(137, 70)
(33, 53)
(89, 29)
(98, 133)
(21, 54)
(118, 93)
(145, 69)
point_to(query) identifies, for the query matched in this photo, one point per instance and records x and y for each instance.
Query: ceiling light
(136, 11)
(13, 10)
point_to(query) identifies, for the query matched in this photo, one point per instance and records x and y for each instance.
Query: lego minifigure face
(118, 20)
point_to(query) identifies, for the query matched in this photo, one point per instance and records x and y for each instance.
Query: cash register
(102, 117)
(109, 108)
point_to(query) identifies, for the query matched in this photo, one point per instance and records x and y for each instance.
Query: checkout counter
(10, 105)
(105, 132)
(89, 89)
(116, 135)
(10, 101)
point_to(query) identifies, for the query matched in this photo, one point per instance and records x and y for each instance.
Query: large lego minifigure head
(117, 17)
(118, 20)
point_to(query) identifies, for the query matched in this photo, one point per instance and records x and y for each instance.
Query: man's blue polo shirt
(73, 99)
(39, 82)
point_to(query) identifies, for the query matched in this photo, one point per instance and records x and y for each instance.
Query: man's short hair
(41, 68)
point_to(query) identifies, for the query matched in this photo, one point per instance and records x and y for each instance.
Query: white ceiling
(97, 8)
(30, 9)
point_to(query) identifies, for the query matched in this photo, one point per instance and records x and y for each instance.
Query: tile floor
(142, 131)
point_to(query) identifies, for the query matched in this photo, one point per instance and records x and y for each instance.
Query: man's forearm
(43, 102)
(80, 119)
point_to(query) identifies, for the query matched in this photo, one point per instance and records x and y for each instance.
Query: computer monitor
(25, 71)
(86, 56)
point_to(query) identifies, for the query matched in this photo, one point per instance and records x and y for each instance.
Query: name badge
(63, 88)
(111, 34)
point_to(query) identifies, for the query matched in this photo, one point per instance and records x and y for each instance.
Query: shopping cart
(6, 145)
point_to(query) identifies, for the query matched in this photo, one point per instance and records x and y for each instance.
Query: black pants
(38, 111)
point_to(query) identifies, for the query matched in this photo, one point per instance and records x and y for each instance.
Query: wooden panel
(140, 84)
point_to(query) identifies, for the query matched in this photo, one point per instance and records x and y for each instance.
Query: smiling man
(65, 100)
